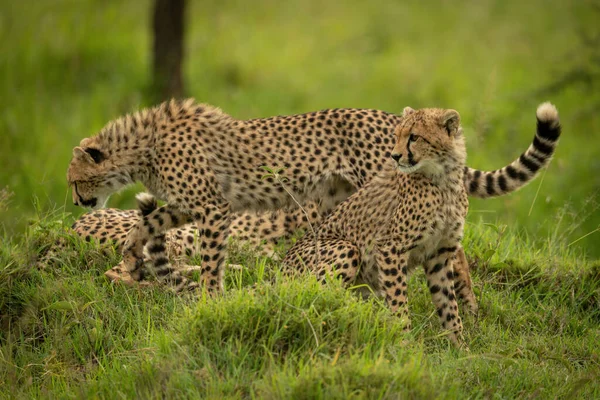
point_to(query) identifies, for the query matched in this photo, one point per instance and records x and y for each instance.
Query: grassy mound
(67, 332)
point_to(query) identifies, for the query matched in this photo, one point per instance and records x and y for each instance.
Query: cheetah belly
(257, 194)
(428, 246)
(446, 230)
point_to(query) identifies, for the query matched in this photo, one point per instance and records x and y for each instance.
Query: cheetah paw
(116, 274)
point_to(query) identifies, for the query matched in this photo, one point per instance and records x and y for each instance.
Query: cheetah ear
(451, 122)
(407, 111)
(80, 154)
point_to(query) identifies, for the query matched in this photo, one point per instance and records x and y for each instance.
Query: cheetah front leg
(150, 226)
(161, 251)
(392, 276)
(159, 263)
(440, 279)
(213, 230)
(331, 257)
(337, 258)
(213, 226)
(156, 249)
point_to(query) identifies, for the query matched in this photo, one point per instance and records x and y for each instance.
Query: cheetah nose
(396, 157)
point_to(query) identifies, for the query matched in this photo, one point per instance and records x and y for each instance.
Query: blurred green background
(68, 67)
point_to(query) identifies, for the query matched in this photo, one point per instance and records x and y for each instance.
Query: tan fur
(206, 165)
(110, 226)
(412, 214)
(180, 245)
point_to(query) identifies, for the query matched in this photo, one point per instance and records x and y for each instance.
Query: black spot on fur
(436, 268)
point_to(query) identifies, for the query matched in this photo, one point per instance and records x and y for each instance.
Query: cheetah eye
(95, 154)
(412, 138)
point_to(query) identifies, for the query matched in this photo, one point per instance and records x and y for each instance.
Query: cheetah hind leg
(440, 279)
(325, 257)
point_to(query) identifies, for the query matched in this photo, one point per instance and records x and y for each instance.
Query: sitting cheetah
(412, 213)
(206, 165)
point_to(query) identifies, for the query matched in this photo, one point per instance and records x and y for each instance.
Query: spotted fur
(179, 245)
(411, 214)
(207, 165)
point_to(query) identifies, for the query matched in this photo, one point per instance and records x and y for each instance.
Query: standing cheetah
(205, 164)
(412, 213)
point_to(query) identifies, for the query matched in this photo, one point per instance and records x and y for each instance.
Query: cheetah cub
(412, 213)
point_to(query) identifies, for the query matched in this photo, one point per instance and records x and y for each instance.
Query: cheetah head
(92, 175)
(428, 140)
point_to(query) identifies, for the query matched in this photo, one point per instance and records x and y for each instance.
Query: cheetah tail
(146, 203)
(520, 172)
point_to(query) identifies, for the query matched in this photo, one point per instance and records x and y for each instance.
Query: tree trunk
(168, 30)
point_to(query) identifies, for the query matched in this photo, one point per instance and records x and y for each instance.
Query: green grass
(66, 332)
(69, 66)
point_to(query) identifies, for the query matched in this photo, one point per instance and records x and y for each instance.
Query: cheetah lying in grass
(206, 165)
(181, 245)
(412, 213)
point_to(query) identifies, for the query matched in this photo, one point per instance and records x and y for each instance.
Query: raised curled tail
(521, 171)
(146, 203)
